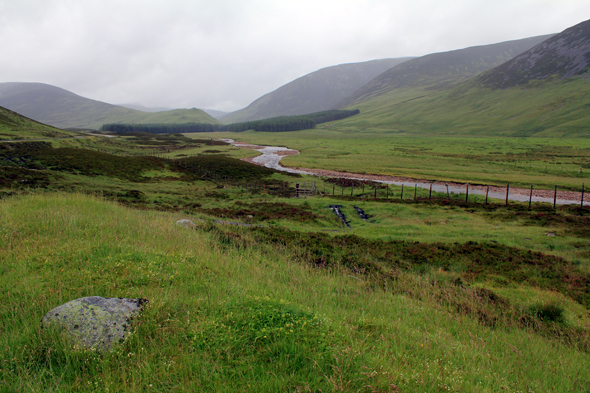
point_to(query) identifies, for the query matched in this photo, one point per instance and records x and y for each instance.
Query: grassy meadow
(227, 313)
(435, 296)
(543, 162)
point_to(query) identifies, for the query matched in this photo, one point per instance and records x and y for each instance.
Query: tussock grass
(494, 160)
(211, 301)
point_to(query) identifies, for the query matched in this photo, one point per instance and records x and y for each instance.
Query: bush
(550, 312)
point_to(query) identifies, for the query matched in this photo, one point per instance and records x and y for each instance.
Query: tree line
(274, 124)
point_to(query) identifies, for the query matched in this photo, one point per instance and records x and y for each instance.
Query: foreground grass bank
(225, 317)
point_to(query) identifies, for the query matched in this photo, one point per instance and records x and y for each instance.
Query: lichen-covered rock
(186, 223)
(95, 322)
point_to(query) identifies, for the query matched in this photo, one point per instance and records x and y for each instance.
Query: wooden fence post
(582, 200)
(430, 194)
(507, 192)
(555, 197)
(487, 192)
(531, 197)
(415, 189)
(402, 195)
(448, 197)
(467, 193)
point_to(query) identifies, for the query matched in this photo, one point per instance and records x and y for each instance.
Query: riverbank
(272, 155)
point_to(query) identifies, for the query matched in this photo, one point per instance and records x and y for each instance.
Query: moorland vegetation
(270, 292)
(435, 295)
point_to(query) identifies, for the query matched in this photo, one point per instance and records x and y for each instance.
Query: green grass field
(228, 314)
(432, 296)
(542, 162)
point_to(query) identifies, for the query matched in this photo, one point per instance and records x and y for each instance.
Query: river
(271, 157)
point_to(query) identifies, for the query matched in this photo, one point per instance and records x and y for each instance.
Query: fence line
(308, 189)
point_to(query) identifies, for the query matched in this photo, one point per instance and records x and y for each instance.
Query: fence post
(531, 197)
(333, 188)
(555, 197)
(582, 200)
(507, 192)
(415, 189)
(297, 190)
(487, 192)
(448, 197)
(402, 195)
(430, 194)
(467, 193)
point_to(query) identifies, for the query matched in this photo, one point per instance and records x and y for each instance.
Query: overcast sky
(223, 54)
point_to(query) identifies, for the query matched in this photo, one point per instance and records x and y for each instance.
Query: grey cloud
(223, 54)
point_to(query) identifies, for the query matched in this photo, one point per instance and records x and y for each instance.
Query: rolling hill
(544, 91)
(315, 92)
(14, 126)
(61, 108)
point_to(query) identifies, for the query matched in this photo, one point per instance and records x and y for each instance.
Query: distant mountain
(216, 114)
(211, 112)
(318, 91)
(64, 109)
(442, 70)
(15, 126)
(543, 92)
(564, 55)
(142, 108)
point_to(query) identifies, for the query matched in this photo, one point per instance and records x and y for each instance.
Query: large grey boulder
(95, 322)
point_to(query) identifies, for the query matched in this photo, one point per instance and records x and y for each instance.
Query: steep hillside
(543, 92)
(318, 91)
(442, 70)
(15, 126)
(564, 55)
(61, 108)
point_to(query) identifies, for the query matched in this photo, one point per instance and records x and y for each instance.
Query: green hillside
(15, 126)
(545, 108)
(439, 71)
(61, 108)
(542, 92)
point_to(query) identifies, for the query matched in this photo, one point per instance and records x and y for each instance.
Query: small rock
(550, 234)
(95, 322)
(186, 223)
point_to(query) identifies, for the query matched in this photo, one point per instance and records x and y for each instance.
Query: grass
(542, 162)
(212, 302)
(16, 127)
(548, 108)
(438, 295)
